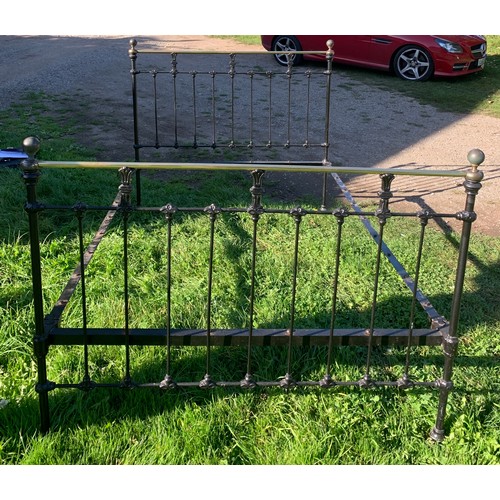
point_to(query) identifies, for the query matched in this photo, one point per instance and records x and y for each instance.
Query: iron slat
(239, 337)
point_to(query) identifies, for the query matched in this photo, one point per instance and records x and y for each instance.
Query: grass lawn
(306, 427)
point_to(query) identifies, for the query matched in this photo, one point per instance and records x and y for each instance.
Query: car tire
(413, 63)
(287, 43)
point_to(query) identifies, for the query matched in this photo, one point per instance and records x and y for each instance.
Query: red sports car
(411, 57)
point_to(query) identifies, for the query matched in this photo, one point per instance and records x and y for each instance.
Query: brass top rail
(229, 52)
(251, 166)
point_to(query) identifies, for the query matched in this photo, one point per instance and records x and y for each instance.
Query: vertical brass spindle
(214, 121)
(212, 211)
(289, 74)
(383, 213)
(340, 215)
(269, 75)
(308, 74)
(255, 210)
(155, 100)
(125, 208)
(173, 72)
(366, 381)
(232, 72)
(168, 382)
(251, 75)
(297, 213)
(424, 219)
(195, 126)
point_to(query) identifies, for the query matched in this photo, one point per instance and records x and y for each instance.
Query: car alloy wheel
(413, 63)
(287, 43)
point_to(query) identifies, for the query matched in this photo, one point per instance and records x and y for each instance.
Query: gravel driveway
(371, 127)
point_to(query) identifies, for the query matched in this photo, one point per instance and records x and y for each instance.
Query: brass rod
(250, 167)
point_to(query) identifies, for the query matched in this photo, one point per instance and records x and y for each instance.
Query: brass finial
(132, 52)
(475, 158)
(31, 146)
(329, 52)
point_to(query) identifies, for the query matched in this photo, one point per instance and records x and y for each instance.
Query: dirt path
(370, 127)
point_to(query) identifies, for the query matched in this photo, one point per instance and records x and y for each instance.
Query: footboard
(243, 322)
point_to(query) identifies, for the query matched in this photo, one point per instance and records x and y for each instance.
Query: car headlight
(451, 47)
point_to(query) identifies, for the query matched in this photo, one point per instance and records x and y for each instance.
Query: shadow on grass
(74, 409)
